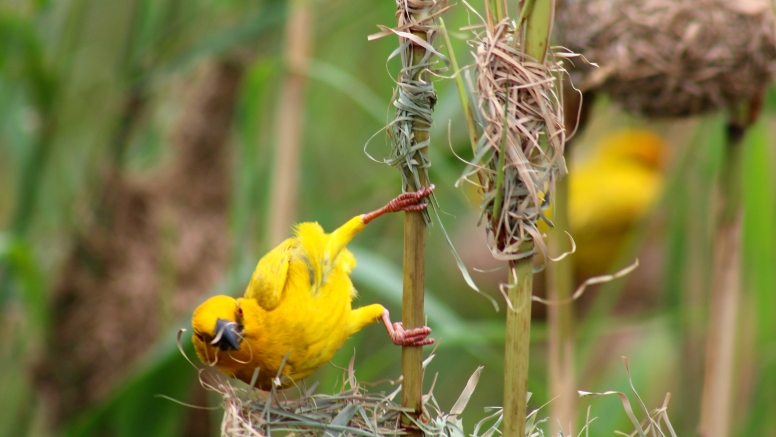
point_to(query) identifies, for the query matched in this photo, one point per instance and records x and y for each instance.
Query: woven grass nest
(668, 58)
(352, 411)
(515, 166)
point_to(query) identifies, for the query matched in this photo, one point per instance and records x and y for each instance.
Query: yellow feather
(298, 304)
(609, 193)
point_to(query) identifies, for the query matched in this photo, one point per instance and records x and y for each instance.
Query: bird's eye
(199, 336)
(239, 312)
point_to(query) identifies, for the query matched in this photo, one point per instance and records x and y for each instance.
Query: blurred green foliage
(68, 67)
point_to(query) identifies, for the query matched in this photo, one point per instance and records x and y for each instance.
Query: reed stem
(718, 394)
(517, 348)
(538, 27)
(538, 15)
(412, 314)
(414, 272)
(560, 284)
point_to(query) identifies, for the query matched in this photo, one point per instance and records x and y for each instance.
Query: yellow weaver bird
(609, 192)
(297, 304)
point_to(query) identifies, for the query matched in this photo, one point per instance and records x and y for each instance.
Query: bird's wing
(269, 278)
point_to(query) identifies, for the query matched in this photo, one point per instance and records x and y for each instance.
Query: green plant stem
(561, 318)
(538, 26)
(538, 15)
(516, 348)
(412, 313)
(471, 125)
(414, 277)
(499, 8)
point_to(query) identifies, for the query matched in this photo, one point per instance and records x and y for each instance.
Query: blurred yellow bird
(297, 306)
(609, 193)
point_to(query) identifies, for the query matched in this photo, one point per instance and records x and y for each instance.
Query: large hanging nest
(669, 58)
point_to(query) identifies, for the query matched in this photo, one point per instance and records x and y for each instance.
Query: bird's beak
(227, 335)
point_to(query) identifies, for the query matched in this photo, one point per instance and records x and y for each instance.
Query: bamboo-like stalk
(538, 26)
(538, 14)
(412, 314)
(290, 124)
(517, 345)
(718, 394)
(414, 277)
(561, 321)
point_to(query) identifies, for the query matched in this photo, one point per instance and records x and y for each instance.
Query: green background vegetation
(67, 69)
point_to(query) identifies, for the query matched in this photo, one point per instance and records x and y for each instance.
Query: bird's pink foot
(404, 202)
(409, 337)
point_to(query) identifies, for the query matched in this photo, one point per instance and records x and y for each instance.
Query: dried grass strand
(414, 96)
(353, 411)
(519, 155)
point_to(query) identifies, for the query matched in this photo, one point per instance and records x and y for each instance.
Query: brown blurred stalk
(290, 124)
(717, 395)
(560, 281)
(561, 320)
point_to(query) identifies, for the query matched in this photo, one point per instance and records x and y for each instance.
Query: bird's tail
(324, 252)
(313, 241)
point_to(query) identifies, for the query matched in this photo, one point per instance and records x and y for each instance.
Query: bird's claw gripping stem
(409, 337)
(404, 202)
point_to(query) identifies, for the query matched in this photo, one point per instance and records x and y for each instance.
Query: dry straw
(656, 421)
(414, 97)
(669, 58)
(353, 411)
(515, 116)
(519, 154)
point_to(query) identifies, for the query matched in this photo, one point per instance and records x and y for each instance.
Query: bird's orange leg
(404, 202)
(409, 337)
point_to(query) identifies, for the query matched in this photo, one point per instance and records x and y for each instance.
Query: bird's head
(218, 325)
(637, 145)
